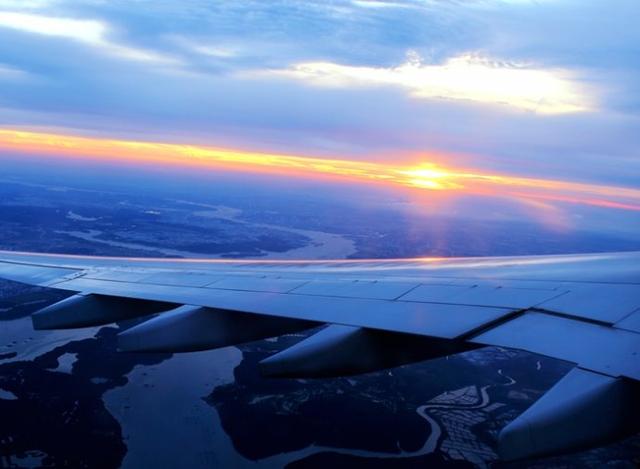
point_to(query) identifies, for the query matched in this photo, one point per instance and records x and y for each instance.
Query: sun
(428, 176)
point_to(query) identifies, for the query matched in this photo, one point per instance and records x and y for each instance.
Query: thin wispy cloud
(13, 73)
(27, 4)
(90, 32)
(465, 77)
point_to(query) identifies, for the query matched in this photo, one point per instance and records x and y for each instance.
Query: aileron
(600, 348)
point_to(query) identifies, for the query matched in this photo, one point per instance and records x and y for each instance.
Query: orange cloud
(427, 176)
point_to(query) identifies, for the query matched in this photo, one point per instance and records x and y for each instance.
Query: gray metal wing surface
(379, 313)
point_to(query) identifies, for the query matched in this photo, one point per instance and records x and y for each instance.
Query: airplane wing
(583, 309)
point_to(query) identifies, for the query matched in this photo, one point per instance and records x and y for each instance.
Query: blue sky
(544, 88)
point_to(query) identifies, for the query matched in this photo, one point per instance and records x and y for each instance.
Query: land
(67, 398)
(37, 217)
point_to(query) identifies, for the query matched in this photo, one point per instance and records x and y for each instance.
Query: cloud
(381, 4)
(90, 32)
(26, 4)
(12, 73)
(588, 61)
(465, 77)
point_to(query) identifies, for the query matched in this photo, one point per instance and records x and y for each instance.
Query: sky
(533, 100)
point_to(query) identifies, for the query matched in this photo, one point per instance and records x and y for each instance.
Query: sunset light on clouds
(426, 175)
(466, 77)
(432, 102)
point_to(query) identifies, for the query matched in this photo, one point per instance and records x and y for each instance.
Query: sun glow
(425, 176)
(430, 177)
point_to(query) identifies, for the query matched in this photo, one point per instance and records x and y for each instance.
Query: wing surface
(580, 308)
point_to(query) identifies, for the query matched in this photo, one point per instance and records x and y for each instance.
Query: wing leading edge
(580, 308)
